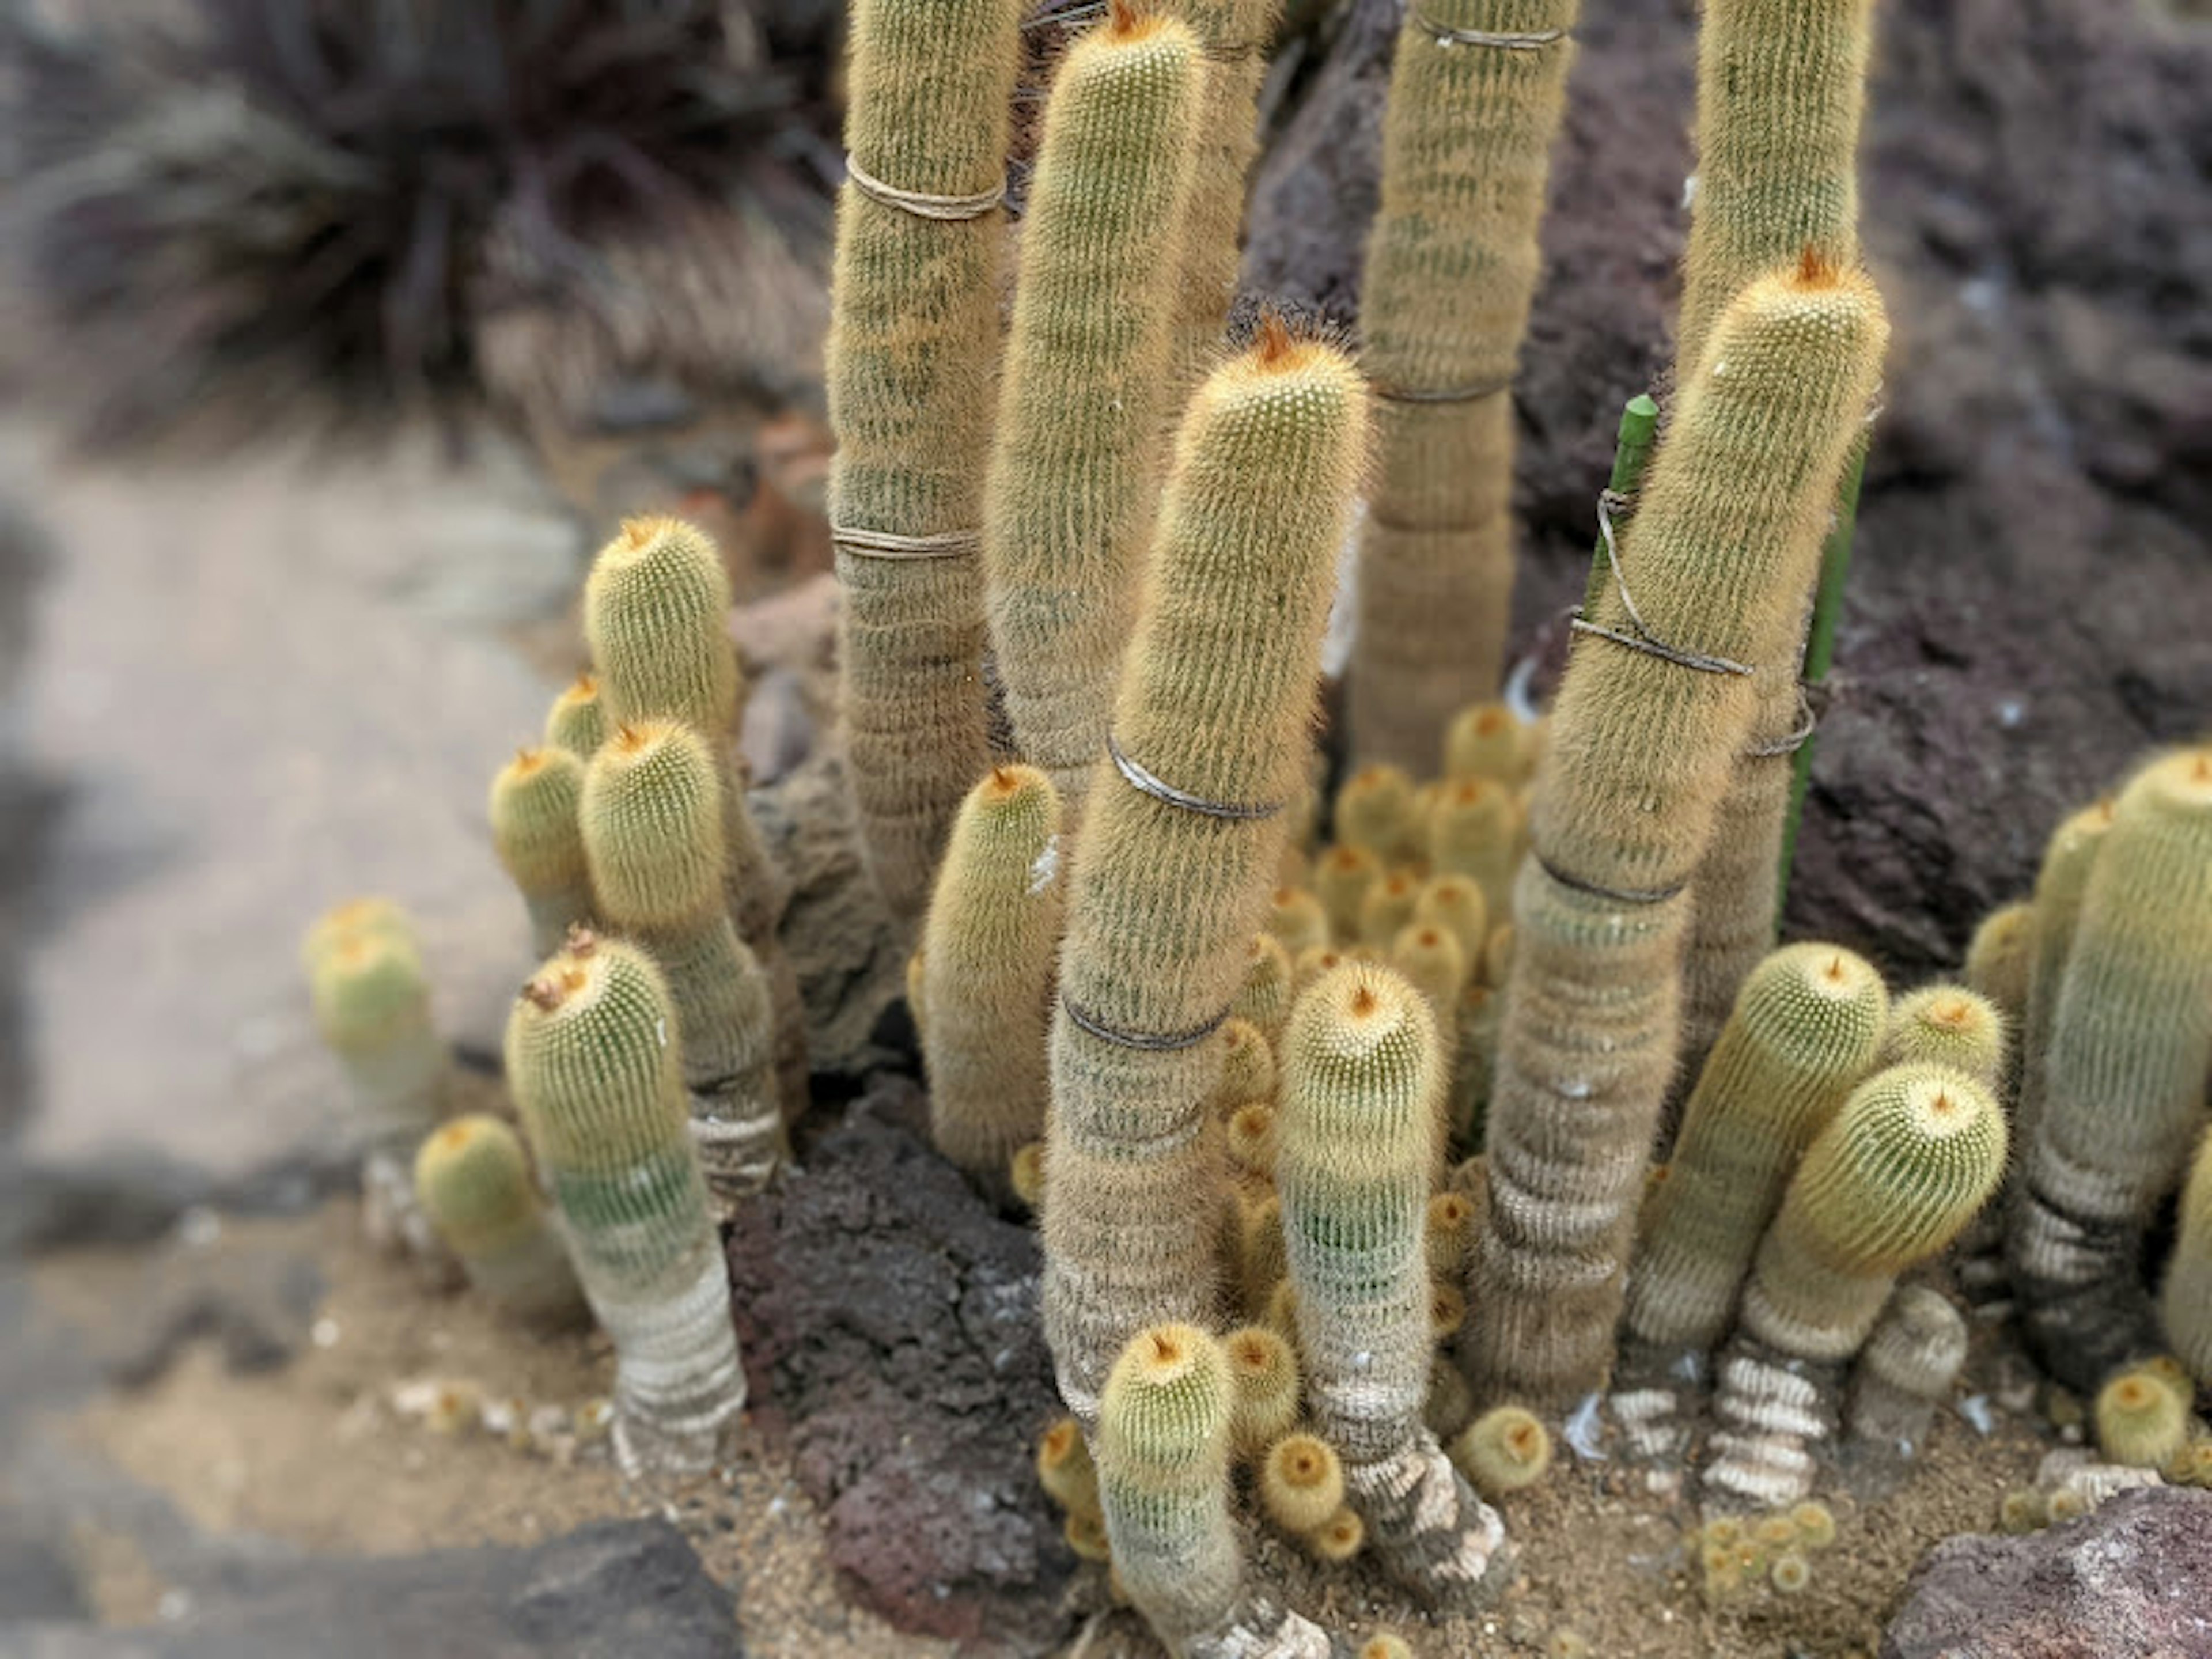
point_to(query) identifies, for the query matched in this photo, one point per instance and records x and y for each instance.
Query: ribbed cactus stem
(472, 1180)
(2123, 1077)
(989, 948)
(1217, 704)
(911, 358)
(653, 829)
(1452, 263)
(1639, 752)
(1806, 1027)
(591, 1055)
(1163, 1449)
(1082, 411)
(536, 832)
(1906, 1370)
(1362, 1088)
(656, 613)
(2185, 1296)
(1896, 1175)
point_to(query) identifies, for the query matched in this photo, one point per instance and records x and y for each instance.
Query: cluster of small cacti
(457, 1407)
(1734, 1555)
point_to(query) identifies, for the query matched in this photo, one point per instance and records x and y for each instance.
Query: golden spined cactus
(1504, 1450)
(987, 949)
(1163, 1449)
(1259, 1250)
(1950, 1025)
(1488, 740)
(592, 1055)
(1377, 809)
(1898, 1172)
(2123, 1077)
(656, 613)
(1172, 876)
(1806, 1027)
(2185, 1296)
(472, 1180)
(1238, 36)
(1362, 1085)
(1450, 1231)
(372, 1005)
(1083, 409)
(1650, 719)
(1301, 1483)
(1781, 85)
(369, 916)
(577, 721)
(910, 361)
(1456, 904)
(1341, 878)
(1906, 1370)
(536, 833)
(2060, 884)
(1264, 998)
(1252, 1139)
(2142, 1419)
(1065, 1470)
(1476, 90)
(1386, 1645)
(1296, 917)
(1247, 1067)
(1473, 832)
(652, 830)
(1387, 908)
(1340, 1540)
(1263, 1374)
(1434, 964)
(2001, 959)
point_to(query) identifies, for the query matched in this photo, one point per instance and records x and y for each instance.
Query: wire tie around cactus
(1643, 639)
(1149, 1042)
(1618, 895)
(1807, 720)
(1150, 783)
(920, 203)
(1532, 40)
(1453, 394)
(883, 544)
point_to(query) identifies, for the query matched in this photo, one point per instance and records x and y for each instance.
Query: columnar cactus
(2123, 1077)
(656, 613)
(536, 834)
(473, 1183)
(1806, 1027)
(1082, 411)
(1163, 1449)
(653, 829)
(1906, 1370)
(914, 335)
(1647, 727)
(1362, 1093)
(989, 945)
(1904, 1164)
(592, 1049)
(2185, 1298)
(1178, 852)
(1476, 90)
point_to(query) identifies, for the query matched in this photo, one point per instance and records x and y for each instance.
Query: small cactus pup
(1950, 1025)
(1475, 829)
(913, 334)
(2001, 959)
(1377, 809)
(1263, 1374)
(1083, 404)
(1904, 1165)
(1452, 264)
(577, 721)
(987, 949)
(536, 832)
(2123, 1077)
(1163, 1449)
(591, 1055)
(1489, 740)
(472, 1180)
(1182, 839)
(1652, 712)
(1504, 1450)
(1806, 1027)
(1301, 1483)
(1905, 1371)
(1065, 1470)
(654, 833)
(2142, 1419)
(656, 613)
(2185, 1300)
(1362, 1087)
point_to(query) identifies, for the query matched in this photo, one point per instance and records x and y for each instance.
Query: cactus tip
(1816, 268)
(1274, 346)
(582, 941)
(1364, 1000)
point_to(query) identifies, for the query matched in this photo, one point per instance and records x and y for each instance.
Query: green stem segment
(1639, 431)
(1820, 651)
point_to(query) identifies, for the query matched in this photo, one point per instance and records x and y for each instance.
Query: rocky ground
(237, 693)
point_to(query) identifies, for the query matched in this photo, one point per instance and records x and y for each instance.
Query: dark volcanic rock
(615, 1589)
(2030, 601)
(890, 1324)
(2132, 1581)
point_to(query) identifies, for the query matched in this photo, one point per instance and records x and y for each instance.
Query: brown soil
(317, 1454)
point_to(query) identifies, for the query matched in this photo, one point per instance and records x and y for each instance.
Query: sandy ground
(319, 1455)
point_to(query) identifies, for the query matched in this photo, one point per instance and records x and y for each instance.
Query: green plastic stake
(1820, 651)
(1639, 430)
